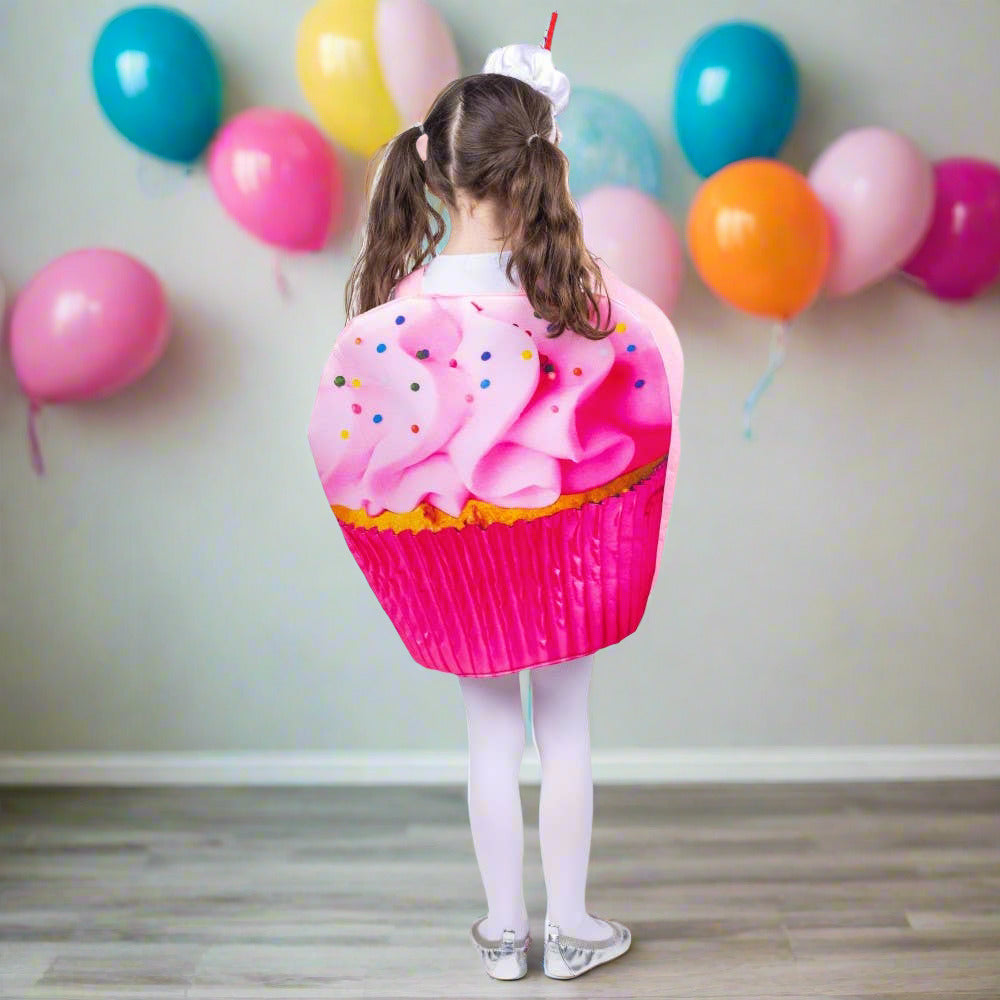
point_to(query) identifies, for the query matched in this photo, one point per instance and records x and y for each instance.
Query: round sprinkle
(377, 419)
(344, 434)
(339, 381)
(415, 386)
(355, 407)
(630, 348)
(486, 355)
(453, 363)
(527, 355)
(577, 371)
(554, 408)
(468, 397)
(400, 320)
(380, 348)
(355, 383)
(415, 428)
(423, 355)
(357, 340)
(485, 384)
(639, 383)
(550, 369)
(619, 328)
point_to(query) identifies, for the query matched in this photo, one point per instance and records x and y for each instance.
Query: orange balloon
(760, 238)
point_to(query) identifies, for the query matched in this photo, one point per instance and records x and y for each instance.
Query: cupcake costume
(504, 492)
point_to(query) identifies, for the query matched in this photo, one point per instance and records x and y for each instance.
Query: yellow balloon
(338, 70)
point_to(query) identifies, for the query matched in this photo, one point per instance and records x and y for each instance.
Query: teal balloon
(158, 82)
(736, 97)
(607, 142)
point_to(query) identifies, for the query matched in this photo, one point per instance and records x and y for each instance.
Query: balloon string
(777, 359)
(279, 277)
(34, 446)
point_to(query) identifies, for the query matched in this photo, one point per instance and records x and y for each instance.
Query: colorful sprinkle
(486, 355)
(453, 363)
(355, 407)
(554, 408)
(527, 355)
(377, 419)
(630, 348)
(639, 383)
(515, 324)
(415, 386)
(577, 371)
(485, 384)
(339, 380)
(551, 327)
(400, 320)
(528, 332)
(355, 383)
(619, 328)
(468, 397)
(550, 368)
(357, 340)
(415, 428)
(423, 355)
(380, 348)
(344, 434)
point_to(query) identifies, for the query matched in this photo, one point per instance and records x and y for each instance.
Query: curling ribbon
(33, 443)
(777, 359)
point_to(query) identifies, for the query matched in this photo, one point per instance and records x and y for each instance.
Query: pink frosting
(488, 417)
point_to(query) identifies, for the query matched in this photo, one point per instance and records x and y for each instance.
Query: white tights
(560, 695)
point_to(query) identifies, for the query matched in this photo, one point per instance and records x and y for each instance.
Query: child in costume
(496, 433)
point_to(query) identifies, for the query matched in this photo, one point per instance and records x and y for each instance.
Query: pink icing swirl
(443, 398)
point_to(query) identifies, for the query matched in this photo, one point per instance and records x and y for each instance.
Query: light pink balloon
(87, 325)
(276, 175)
(630, 231)
(416, 54)
(878, 191)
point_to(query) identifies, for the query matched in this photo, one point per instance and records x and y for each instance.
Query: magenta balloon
(276, 175)
(86, 325)
(630, 230)
(960, 256)
(878, 191)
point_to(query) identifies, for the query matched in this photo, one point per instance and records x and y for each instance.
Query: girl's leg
(496, 746)
(560, 697)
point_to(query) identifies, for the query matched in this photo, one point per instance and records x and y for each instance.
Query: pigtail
(545, 234)
(401, 228)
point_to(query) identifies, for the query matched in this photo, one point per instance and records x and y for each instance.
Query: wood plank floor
(875, 891)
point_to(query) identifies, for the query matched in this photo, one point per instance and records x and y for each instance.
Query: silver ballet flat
(567, 957)
(506, 958)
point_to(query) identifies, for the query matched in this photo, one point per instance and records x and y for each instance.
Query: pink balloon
(416, 54)
(629, 230)
(878, 191)
(960, 255)
(277, 177)
(87, 325)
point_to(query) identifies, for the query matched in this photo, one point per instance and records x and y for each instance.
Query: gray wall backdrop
(176, 582)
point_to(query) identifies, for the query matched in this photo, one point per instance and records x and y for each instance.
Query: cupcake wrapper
(487, 601)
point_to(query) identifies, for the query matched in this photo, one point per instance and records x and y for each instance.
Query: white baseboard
(625, 766)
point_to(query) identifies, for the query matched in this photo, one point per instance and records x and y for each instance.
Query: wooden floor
(885, 891)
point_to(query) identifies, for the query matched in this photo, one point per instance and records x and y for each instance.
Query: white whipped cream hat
(533, 65)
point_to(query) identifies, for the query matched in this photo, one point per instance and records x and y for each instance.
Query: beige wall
(176, 582)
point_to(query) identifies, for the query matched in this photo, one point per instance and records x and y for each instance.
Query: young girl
(501, 463)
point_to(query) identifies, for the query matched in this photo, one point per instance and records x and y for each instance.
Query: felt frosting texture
(448, 398)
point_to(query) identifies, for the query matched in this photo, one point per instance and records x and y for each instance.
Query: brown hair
(479, 131)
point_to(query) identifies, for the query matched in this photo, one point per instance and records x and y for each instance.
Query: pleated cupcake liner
(477, 601)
